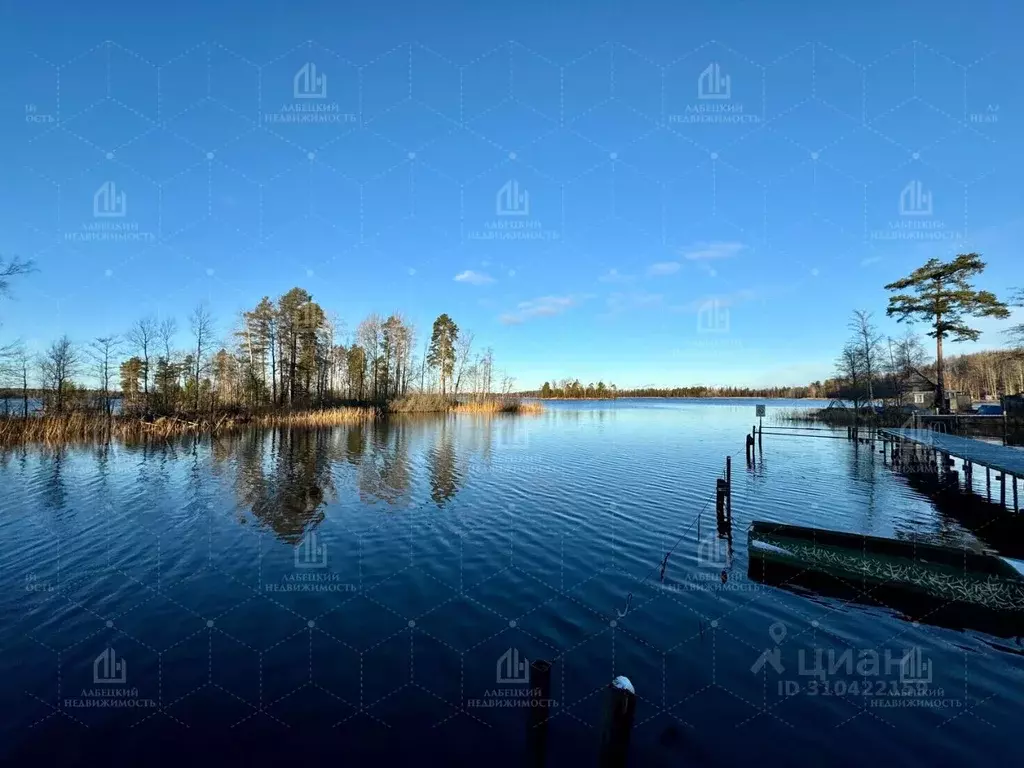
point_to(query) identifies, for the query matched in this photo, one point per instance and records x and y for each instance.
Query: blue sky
(645, 193)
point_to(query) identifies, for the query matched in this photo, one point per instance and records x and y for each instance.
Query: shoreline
(673, 397)
(80, 427)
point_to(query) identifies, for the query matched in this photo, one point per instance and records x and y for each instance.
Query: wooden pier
(1006, 461)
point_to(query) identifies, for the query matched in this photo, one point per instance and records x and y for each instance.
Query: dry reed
(82, 427)
(86, 427)
(500, 406)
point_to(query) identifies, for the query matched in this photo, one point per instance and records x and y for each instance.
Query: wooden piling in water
(728, 485)
(988, 483)
(619, 712)
(1002, 488)
(540, 702)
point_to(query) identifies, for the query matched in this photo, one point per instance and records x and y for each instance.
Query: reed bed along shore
(91, 427)
(499, 406)
(84, 427)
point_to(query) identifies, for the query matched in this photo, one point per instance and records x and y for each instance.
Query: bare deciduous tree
(57, 366)
(102, 352)
(463, 350)
(202, 332)
(12, 268)
(866, 342)
(141, 337)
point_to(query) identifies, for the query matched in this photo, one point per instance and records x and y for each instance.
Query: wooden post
(988, 483)
(728, 485)
(720, 495)
(1002, 488)
(1014, 480)
(540, 703)
(619, 711)
(749, 448)
(760, 433)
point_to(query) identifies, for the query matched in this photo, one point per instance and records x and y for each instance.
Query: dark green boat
(869, 562)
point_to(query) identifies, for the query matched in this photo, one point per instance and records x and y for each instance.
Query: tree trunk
(940, 376)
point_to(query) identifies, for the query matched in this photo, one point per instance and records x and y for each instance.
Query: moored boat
(865, 562)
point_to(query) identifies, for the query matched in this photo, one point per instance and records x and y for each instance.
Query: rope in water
(662, 563)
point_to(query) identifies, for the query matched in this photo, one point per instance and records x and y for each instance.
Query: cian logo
(510, 669)
(108, 669)
(308, 84)
(772, 656)
(712, 84)
(311, 552)
(108, 203)
(915, 200)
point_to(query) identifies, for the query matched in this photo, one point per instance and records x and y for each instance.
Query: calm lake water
(314, 596)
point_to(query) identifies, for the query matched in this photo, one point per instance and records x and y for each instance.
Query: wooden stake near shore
(619, 713)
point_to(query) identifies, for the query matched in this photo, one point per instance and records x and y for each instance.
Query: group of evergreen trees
(286, 352)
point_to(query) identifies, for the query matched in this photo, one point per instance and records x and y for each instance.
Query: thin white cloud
(721, 300)
(664, 268)
(870, 260)
(545, 306)
(622, 302)
(614, 276)
(473, 278)
(713, 250)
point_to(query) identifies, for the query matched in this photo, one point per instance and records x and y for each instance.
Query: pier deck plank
(1000, 457)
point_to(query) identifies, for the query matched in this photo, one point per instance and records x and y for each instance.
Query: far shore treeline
(940, 297)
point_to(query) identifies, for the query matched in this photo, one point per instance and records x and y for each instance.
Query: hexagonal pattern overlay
(126, 157)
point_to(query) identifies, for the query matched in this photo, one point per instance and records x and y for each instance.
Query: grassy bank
(86, 427)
